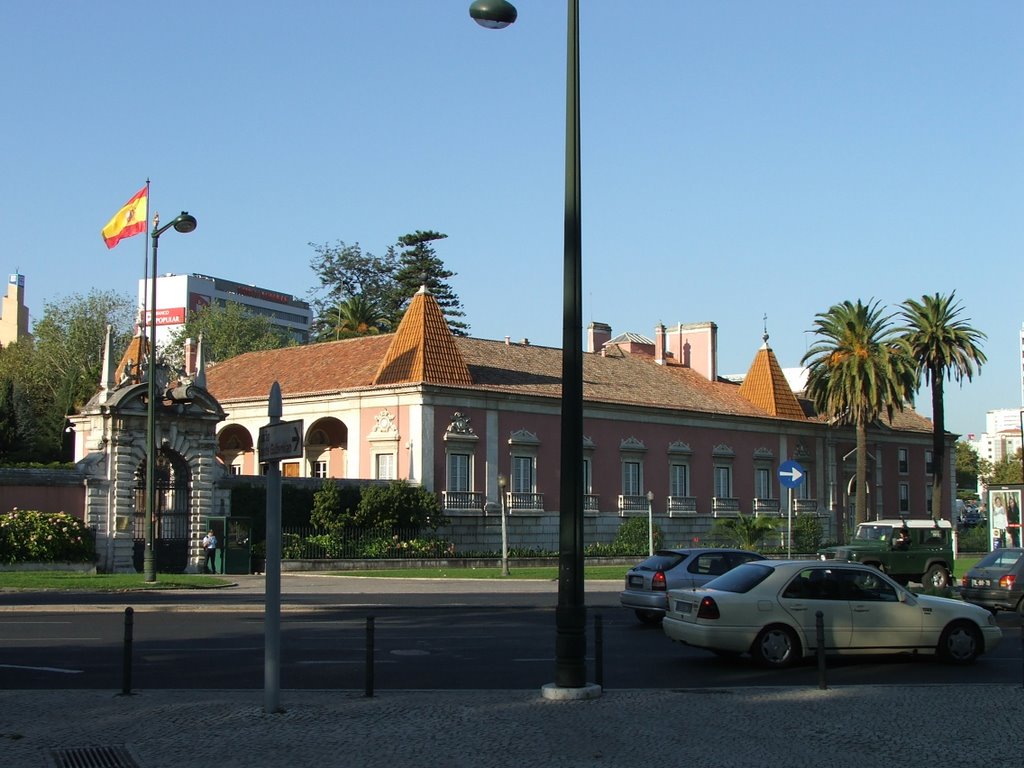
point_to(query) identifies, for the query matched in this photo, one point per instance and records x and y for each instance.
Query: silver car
(647, 584)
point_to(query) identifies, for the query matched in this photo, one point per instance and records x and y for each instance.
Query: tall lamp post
(502, 484)
(570, 613)
(650, 522)
(184, 223)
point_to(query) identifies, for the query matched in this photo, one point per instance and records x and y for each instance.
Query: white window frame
(723, 481)
(459, 472)
(903, 461)
(523, 473)
(679, 478)
(384, 466)
(762, 483)
(904, 497)
(632, 477)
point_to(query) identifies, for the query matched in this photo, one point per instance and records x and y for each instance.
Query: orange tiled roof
(766, 387)
(423, 348)
(137, 350)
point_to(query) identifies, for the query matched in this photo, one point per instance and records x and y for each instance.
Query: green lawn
(105, 582)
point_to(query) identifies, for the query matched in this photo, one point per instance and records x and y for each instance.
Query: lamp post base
(555, 692)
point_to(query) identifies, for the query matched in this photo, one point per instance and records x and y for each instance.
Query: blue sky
(739, 159)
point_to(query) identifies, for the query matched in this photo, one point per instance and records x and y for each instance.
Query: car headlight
(822, 557)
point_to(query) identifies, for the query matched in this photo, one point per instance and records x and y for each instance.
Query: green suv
(908, 550)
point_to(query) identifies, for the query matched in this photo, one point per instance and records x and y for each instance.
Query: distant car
(648, 582)
(768, 609)
(972, 518)
(996, 581)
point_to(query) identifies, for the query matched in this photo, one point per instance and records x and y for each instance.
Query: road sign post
(791, 475)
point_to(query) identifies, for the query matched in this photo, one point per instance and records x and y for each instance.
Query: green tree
(58, 369)
(345, 272)
(859, 368)
(967, 469)
(9, 431)
(420, 265)
(398, 505)
(944, 347)
(227, 331)
(807, 533)
(743, 531)
(1003, 472)
(358, 316)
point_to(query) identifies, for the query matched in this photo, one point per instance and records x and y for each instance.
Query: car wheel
(936, 577)
(960, 643)
(776, 646)
(649, 617)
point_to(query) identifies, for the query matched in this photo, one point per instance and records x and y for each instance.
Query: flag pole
(140, 319)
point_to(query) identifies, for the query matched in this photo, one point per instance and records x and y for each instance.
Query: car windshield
(873, 532)
(661, 560)
(742, 578)
(1000, 558)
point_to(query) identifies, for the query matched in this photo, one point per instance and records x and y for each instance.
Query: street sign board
(791, 474)
(281, 441)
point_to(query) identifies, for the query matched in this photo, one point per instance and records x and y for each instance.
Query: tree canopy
(227, 331)
(858, 368)
(57, 370)
(360, 293)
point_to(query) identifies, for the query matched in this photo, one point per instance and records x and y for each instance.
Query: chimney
(598, 334)
(659, 344)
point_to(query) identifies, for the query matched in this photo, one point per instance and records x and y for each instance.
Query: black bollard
(369, 656)
(819, 630)
(126, 659)
(598, 650)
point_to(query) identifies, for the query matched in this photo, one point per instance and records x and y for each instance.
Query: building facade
(177, 296)
(478, 422)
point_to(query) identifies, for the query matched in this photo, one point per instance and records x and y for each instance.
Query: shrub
(398, 505)
(807, 533)
(27, 536)
(633, 537)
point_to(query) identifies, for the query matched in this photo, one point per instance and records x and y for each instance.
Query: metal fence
(310, 544)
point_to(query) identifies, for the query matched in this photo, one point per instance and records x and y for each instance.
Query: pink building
(461, 416)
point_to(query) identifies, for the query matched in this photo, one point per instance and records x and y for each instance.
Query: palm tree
(359, 316)
(944, 347)
(744, 532)
(859, 368)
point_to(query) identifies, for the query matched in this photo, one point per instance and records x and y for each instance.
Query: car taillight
(658, 581)
(1007, 581)
(963, 580)
(708, 609)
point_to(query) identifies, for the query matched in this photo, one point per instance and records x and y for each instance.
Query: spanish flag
(130, 220)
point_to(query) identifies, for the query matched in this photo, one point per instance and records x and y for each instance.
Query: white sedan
(769, 609)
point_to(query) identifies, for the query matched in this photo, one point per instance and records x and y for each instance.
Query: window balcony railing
(681, 505)
(766, 507)
(632, 505)
(591, 503)
(805, 506)
(722, 506)
(463, 501)
(524, 502)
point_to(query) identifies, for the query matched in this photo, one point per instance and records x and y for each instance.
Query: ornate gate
(171, 529)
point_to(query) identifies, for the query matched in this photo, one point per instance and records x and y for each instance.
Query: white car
(769, 609)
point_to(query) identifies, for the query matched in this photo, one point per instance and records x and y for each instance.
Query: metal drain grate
(92, 757)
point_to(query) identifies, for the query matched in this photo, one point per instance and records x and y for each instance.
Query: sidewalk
(861, 727)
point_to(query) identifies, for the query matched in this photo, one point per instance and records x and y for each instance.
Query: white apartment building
(179, 295)
(1002, 436)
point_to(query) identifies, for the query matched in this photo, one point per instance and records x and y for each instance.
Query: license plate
(981, 582)
(636, 581)
(683, 607)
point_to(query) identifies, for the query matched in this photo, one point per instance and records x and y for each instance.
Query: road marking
(43, 669)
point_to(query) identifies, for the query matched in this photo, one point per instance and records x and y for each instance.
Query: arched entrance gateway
(110, 445)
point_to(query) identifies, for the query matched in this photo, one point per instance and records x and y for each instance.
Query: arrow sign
(791, 474)
(281, 441)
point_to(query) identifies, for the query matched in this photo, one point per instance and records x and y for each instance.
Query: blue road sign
(791, 474)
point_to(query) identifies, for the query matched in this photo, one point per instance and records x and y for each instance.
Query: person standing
(210, 547)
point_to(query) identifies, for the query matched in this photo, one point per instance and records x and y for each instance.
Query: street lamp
(570, 613)
(183, 223)
(502, 484)
(650, 521)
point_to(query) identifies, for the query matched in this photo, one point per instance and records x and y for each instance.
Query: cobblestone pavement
(857, 727)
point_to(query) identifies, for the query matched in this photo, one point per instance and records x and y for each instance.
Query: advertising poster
(1004, 518)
